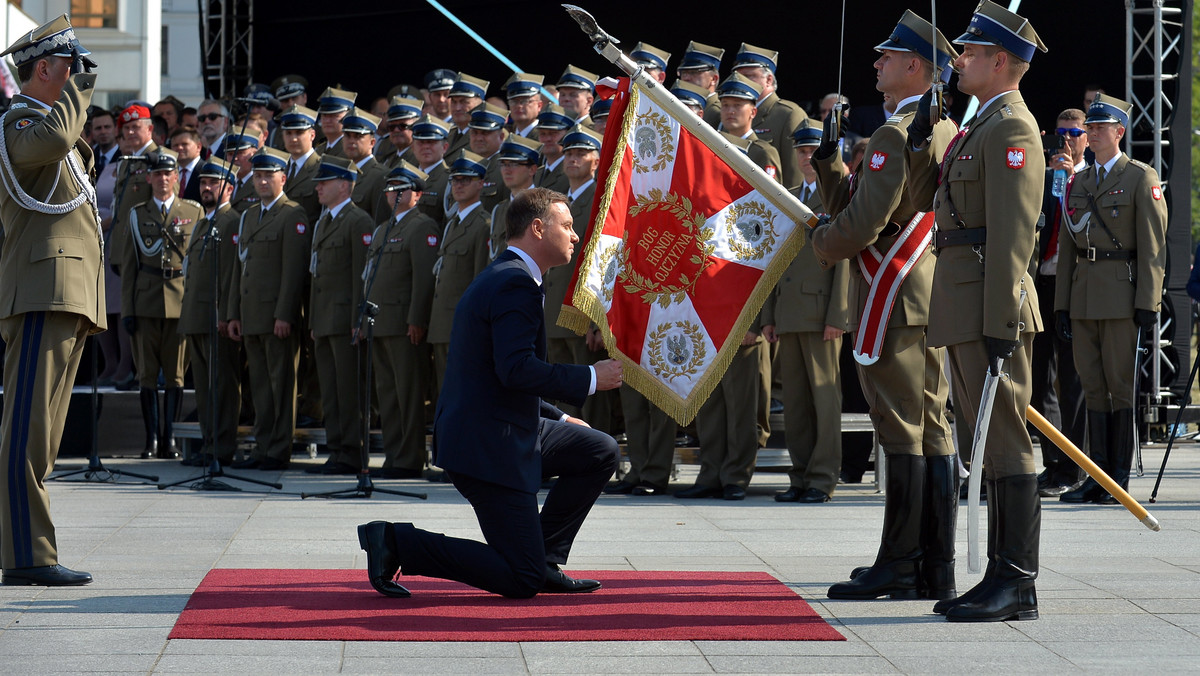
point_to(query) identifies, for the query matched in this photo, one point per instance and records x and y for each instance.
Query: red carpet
(340, 605)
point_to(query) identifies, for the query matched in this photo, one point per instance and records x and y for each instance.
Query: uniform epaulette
(1140, 165)
(1006, 110)
(193, 203)
(894, 119)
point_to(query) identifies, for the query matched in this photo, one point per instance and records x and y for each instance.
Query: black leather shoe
(332, 467)
(621, 487)
(733, 492)
(46, 576)
(248, 463)
(382, 562)
(699, 492)
(814, 495)
(558, 582)
(396, 473)
(1088, 491)
(274, 465)
(647, 488)
(790, 495)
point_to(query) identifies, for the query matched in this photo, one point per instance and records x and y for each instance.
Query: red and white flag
(681, 250)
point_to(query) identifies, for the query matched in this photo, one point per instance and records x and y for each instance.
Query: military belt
(1093, 254)
(166, 273)
(959, 237)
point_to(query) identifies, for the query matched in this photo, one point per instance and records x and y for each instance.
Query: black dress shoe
(274, 465)
(619, 488)
(699, 492)
(845, 477)
(790, 495)
(382, 562)
(733, 492)
(396, 473)
(332, 467)
(814, 495)
(248, 463)
(558, 582)
(647, 488)
(46, 576)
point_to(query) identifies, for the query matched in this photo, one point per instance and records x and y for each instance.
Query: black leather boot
(1098, 423)
(1120, 453)
(1009, 592)
(150, 420)
(172, 403)
(895, 570)
(971, 594)
(938, 520)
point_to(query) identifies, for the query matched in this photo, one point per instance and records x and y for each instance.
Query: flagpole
(606, 46)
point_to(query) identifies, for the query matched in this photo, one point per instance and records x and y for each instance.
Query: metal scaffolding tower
(227, 38)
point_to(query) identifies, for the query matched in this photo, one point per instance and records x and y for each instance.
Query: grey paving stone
(434, 665)
(605, 664)
(801, 664)
(542, 650)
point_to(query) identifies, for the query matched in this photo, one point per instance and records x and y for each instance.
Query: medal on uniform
(1116, 212)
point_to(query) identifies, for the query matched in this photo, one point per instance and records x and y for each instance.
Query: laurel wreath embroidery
(676, 362)
(745, 239)
(652, 139)
(607, 263)
(681, 208)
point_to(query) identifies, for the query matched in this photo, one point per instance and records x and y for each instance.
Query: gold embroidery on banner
(652, 142)
(685, 351)
(607, 264)
(666, 249)
(751, 228)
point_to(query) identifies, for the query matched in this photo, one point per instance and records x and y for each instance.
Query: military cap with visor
(406, 177)
(298, 117)
(517, 148)
(333, 168)
(53, 38)
(430, 128)
(1108, 109)
(467, 85)
(994, 25)
(335, 100)
(700, 56)
(912, 34)
(467, 163)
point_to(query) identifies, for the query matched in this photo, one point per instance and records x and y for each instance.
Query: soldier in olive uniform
(331, 108)
(429, 149)
(524, 94)
(518, 159)
(576, 93)
(399, 279)
(290, 91)
(693, 96)
(263, 308)
(51, 286)
(134, 128)
(776, 118)
(462, 254)
(1111, 264)
(553, 123)
(297, 129)
(208, 273)
(807, 314)
(652, 60)
(737, 95)
(358, 140)
(984, 306)
(339, 255)
(700, 66)
(239, 149)
(402, 113)
(487, 135)
(160, 231)
(466, 94)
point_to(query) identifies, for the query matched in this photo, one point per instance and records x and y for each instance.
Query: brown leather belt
(1093, 254)
(165, 273)
(959, 237)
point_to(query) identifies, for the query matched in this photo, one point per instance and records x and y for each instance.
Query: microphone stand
(208, 480)
(366, 315)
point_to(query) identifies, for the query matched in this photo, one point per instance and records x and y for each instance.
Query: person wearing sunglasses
(213, 118)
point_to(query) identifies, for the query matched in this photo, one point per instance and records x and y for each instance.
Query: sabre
(1137, 382)
(1114, 489)
(938, 88)
(835, 129)
(606, 46)
(986, 400)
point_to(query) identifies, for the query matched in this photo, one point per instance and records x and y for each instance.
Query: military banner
(681, 251)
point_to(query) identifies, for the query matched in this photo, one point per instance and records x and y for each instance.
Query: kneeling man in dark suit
(496, 437)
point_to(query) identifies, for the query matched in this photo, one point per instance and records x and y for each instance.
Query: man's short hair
(1072, 114)
(527, 206)
(189, 132)
(160, 125)
(218, 104)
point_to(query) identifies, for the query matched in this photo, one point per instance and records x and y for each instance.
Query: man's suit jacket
(191, 191)
(50, 263)
(486, 424)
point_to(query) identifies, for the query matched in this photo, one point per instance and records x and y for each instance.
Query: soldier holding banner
(876, 223)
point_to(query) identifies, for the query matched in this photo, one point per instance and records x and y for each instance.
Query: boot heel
(1026, 615)
(362, 536)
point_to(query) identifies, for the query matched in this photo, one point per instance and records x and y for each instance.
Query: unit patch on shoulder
(366, 240)
(1016, 158)
(21, 124)
(878, 160)
(1156, 192)
(770, 170)
(431, 240)
(300, 228)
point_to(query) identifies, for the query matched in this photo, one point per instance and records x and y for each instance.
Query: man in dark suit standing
(496, 437)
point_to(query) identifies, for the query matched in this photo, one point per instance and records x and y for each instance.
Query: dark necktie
(101, 161)
(1100, 174)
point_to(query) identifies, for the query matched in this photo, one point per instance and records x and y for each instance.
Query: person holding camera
(1053, 361)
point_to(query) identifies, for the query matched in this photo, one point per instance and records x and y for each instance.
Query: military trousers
(402, 372)
(272, 363)
(907, 391)
(40, 362)
(812, 408)
(650, 439)
(227, 363)
(1105, 358)
(340, 369)
(1008, 450)
(158, 346)
(727, 424)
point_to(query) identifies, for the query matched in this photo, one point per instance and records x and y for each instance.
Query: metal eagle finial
(587, 23)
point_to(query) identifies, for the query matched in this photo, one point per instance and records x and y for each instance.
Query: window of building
(94, 13)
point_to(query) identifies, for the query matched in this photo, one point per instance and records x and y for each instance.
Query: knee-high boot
(938, 521)
(149, 397)
(172, 404)
(1120, 452)
(974, 592)
(895, 570)
(1008, 591)
(1098, 436)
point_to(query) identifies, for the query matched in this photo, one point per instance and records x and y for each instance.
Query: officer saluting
(984, 307)
(160, 231)
(1110, 271)
(51, 286)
